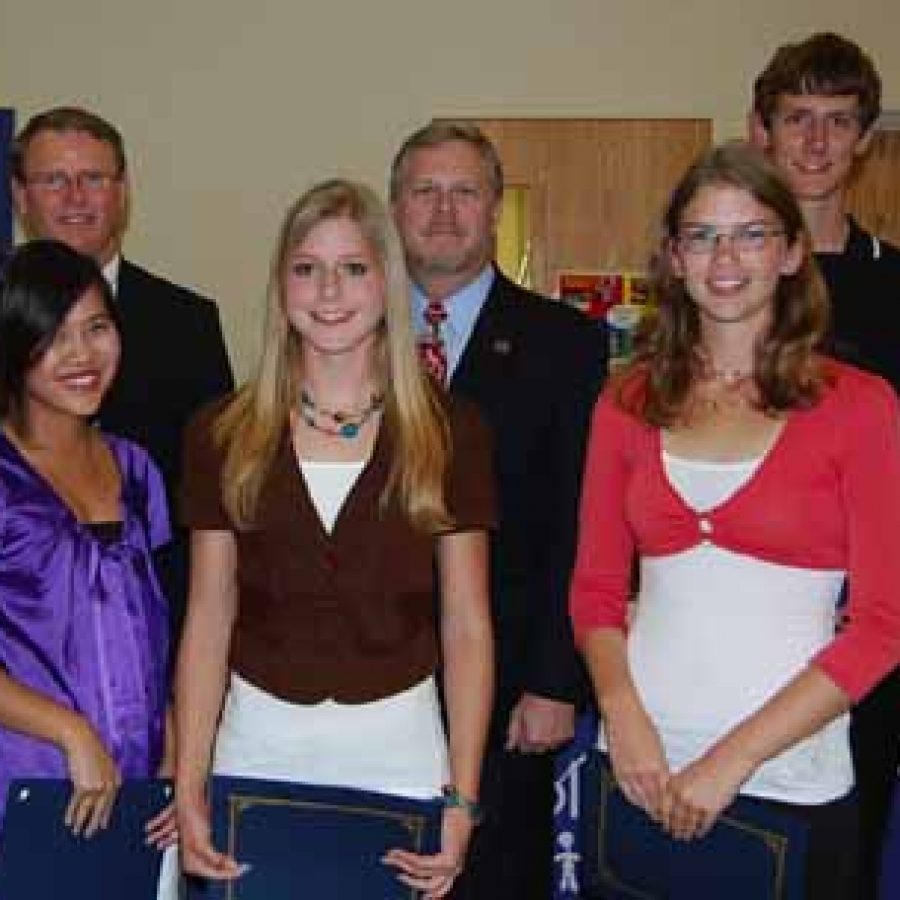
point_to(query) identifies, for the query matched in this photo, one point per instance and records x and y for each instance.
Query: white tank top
(328, 484)
(716, 633)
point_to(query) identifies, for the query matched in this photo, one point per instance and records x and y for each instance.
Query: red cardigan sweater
(826, 496)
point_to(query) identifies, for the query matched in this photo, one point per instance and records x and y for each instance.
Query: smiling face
(814, 140)
(334, 289)
(71, 376)
(447, 212)
(733, 275)
(73, 192)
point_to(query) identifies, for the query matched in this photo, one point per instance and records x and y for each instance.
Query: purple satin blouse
(82, 617)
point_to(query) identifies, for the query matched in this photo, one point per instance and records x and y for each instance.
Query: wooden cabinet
(588, 194)
(594, 188)
(874, 196)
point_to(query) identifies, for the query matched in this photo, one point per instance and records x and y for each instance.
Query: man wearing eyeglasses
(70, 183)
(814, 110)
(533, 368)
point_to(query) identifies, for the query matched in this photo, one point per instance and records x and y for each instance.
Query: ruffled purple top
(82, 617)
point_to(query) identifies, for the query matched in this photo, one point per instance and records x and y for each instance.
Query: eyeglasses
(837, 123)
(703, 240)
(90, 181)
(428, 192)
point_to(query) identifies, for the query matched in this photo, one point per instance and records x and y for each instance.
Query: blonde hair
(251, 426)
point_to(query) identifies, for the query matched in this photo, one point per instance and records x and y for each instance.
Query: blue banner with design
(570, 809)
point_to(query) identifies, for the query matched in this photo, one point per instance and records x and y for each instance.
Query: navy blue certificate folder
(40, 859)
(753, 852)
(310, 841)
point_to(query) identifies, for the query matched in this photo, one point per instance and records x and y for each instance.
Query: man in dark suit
(70, 183)
(534, 368)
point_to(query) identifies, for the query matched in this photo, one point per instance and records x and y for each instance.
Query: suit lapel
(125, 285)
(140, 349)
(493, 345)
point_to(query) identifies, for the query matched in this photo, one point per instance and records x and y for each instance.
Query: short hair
(788, 374)
(41, 281)
(825, 64)
(437, 133)
(62, 119)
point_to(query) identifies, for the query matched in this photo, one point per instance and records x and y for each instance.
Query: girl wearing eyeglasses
(751, 477)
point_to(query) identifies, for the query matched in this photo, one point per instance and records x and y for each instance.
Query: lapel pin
(502, 346)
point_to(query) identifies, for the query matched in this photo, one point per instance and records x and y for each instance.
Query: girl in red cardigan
(752, 477)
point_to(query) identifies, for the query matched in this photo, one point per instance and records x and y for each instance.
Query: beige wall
(230, 108)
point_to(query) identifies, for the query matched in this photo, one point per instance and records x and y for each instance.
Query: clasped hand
(539, 724)
(694, 797)
(684, 804)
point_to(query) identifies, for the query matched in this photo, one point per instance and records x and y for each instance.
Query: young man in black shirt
(814, 110)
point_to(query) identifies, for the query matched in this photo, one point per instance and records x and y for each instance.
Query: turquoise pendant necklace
(337, 422)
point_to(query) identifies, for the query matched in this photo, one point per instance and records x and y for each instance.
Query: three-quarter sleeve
(599, 591)
(868, 646)
(201, 482)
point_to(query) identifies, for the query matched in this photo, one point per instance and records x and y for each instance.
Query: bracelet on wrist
(453, 799)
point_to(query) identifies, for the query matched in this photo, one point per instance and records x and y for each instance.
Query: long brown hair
(786, 369)
(252, 425)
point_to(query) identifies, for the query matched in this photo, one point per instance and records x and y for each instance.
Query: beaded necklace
(346, 423)
(720, 391)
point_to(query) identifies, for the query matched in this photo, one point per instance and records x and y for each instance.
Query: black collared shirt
(864, 287)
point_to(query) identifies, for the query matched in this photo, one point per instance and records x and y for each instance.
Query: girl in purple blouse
(83, 623)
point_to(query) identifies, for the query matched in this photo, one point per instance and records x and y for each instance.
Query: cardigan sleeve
(201, 481)
(601, 578)
(469, 484)
(868, 647)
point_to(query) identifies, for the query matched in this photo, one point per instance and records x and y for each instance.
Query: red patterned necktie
(432, 349)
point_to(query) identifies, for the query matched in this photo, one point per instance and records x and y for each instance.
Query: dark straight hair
(41, 281)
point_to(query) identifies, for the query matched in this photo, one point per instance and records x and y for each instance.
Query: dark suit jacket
(173, 361)
(534, 368)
